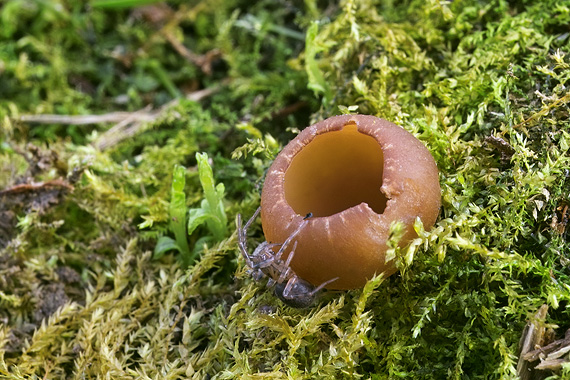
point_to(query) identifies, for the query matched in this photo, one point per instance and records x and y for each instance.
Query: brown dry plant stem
(532, 336)
(128, 124)
(204, 62)
(539, 355)
(545, 110)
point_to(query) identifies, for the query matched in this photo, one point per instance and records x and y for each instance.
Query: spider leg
(248, 258)
(289, 286)
(291, 254)
(242, 237)
(285, 273)
(257, 274)
(261, 257)
(249, 262)
(291, 237)
(253, 217)
(316, 290)
(242, 231)
(242, 240)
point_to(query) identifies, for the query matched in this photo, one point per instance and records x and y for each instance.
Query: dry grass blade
(532, 336)
(112, 117)
(128, 124)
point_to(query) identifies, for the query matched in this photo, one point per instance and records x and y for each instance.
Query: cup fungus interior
(335, 171)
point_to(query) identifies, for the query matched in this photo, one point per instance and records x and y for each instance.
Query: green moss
(483, 84)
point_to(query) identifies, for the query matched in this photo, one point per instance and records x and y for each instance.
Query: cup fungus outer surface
(356, 174)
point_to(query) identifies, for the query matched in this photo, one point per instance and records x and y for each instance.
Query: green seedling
(184, 221)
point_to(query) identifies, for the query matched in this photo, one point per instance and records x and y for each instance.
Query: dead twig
(112, 117)
(551, 351)
(130, 127)
(204, 62)
(127, 124)
(539, 354)
(545, 110)
(560, 226)
(167, 21)
(499, 144)
(37, 186)
(124, 129)
(532, 337)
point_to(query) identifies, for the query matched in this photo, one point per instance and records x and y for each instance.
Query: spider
(289, 288)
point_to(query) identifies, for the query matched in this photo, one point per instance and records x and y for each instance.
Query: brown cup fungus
(356, 175)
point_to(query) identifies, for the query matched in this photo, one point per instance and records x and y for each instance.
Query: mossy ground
(482, 83)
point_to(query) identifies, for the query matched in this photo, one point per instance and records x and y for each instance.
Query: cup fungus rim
(389, 189)
(401, 186)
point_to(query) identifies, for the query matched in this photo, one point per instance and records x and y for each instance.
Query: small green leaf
(360, 86)
(317, 81)
(344, 110)
(163, 245)
(250, 130)
(214, 198)
(196, 217)
(120, 4)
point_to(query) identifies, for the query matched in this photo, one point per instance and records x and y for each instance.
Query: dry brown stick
(37, 186)
(551, 364)
(112, 117)
(531, 337)
(124, 130)
(204, 62)
(552, 350)
(127, 123)
(546, 109)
